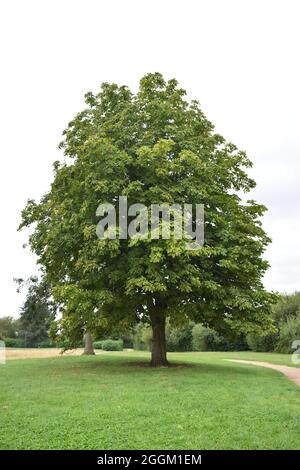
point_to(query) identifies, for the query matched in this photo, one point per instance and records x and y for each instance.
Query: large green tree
(153, 147)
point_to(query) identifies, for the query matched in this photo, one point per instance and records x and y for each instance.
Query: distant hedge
(111, 345)
(262, 343)
(206, 339)
(14, 343)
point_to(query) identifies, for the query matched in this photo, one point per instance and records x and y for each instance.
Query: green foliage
(179, 338)
(146, 337)
(200, 334)
(153, 147)
(286, 307)
(142, 337)
(112, 345)
(289, 332)
(286, 327)
(206, 339)
(37, 312)
(21, 343)
(262, 342)
(189, 337)
(47, 343)
(9, 327)
(14, 343)
(66, 338)
(127, 340)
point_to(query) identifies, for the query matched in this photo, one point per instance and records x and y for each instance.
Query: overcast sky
(240, 59)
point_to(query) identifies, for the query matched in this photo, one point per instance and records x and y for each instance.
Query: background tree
(288, 306)
(37, 312)
(9, 327)
(286, 317)
(153, 147)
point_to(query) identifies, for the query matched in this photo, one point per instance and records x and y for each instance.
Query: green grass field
(112, 401)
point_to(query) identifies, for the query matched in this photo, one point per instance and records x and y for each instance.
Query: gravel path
(293, 373)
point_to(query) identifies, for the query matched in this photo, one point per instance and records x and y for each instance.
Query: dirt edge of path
(293, 373)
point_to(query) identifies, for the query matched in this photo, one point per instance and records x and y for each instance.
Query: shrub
(206, 339)
(142, 337)
(21, 343)
(287, 306)
(261, 342)
(14, 343)
(200, 337)
(9, 327)
(289, 331)
(112, 345)
(146, 337)
(97, 344)
(286, 316)
(127, 341)
(179, 338)
(47, 344)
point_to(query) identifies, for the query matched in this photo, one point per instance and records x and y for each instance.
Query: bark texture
(158, 350)
(88, 344)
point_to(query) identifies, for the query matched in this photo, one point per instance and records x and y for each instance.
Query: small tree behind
(9, 327)
(37, 312)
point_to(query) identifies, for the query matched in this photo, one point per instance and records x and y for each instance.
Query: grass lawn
(111, 401)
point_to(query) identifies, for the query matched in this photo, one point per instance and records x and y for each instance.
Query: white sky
(239, 58)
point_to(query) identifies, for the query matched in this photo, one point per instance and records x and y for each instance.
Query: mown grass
(112, 401)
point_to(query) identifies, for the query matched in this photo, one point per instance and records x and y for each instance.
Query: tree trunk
(88, 344)
(159, 350)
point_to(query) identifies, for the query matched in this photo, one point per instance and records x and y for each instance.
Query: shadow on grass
(124, 365)
(172, 365)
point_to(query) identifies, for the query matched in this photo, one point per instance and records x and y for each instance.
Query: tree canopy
(154, 146)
